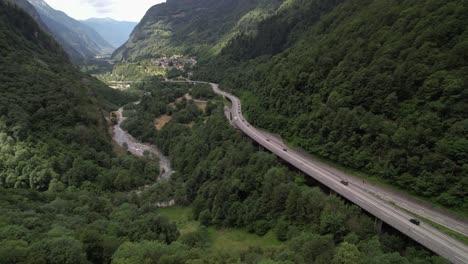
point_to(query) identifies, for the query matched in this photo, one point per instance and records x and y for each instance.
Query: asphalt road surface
(367, 197)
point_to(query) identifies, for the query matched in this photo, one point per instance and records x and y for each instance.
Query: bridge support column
(378, 225)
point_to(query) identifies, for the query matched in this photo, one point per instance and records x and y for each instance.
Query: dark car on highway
(415, 221)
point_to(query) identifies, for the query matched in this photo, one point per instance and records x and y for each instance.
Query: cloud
(102, 6)
(130, 10)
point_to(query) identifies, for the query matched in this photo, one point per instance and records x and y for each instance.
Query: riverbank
(137, 148)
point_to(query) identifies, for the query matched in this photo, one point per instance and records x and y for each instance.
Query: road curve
(364, 196)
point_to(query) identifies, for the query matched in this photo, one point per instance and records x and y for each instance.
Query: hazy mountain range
(113, 31)
(81, 40)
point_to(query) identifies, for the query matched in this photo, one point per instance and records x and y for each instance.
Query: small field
(161, 121)
(201, 105)
(224, 240)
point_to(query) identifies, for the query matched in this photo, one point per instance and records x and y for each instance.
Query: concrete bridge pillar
(378, 225)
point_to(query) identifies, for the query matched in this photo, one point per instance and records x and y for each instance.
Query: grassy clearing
(201, 104)
(182, 216)
(229, 240)
(161, 121)
(238, 240)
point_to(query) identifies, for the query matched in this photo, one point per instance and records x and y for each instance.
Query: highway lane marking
(359, 200)
(419, 235)
(386, 214)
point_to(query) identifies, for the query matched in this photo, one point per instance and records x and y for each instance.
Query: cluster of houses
(178, 62)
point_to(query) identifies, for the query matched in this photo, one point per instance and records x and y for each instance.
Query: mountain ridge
(194, 28)
(45, 101)
(79, 41)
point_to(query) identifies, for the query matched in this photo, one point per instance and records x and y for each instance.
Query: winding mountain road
(373, 199)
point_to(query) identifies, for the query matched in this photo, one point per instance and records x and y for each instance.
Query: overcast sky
(128, 10)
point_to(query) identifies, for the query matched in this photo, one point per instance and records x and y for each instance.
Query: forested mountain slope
(192, 27)
(51, 122)
(29, 8)
(63, 192)
(378, 86)
(79, 41)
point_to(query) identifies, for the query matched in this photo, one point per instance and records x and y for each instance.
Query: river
(137, 148)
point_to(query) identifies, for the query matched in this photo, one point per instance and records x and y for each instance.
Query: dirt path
(137, 148)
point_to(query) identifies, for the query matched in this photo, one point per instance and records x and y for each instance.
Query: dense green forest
(52, 126)
(61, 185)
(230, 183)
(377, 86)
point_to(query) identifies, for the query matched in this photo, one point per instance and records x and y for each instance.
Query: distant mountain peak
(41, 4)
(113, 31)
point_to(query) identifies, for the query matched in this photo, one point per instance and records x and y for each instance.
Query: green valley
(234, 131)
(233, 189)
